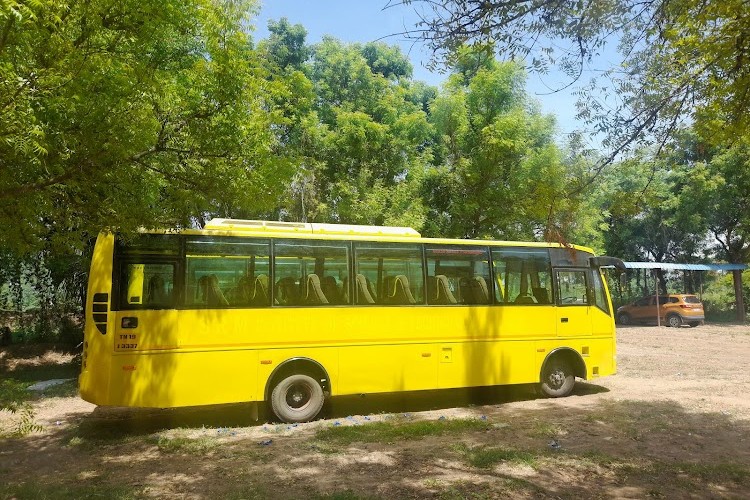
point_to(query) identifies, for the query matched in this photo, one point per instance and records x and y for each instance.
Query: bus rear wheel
(297, 398)
(558, 379)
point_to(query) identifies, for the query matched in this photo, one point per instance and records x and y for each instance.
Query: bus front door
(573, 311)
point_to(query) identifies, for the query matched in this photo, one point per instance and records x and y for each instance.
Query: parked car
(674, 310)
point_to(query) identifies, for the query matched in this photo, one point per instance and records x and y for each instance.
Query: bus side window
(311, 273)
(523, 276)
(225, 272)
(458, 275)
(147, 286)
(392, 273)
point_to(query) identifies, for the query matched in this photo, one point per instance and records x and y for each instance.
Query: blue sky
(368, 20)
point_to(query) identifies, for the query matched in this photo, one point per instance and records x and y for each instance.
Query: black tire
(693, 324)
(558, 379)
(297, 398)
(674, 321)
(624, 319)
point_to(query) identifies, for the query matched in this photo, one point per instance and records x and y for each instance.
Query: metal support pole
(656, 287)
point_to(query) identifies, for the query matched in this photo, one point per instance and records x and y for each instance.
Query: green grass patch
(392, 431)
(485, 457)
(710, 473)
(183, 444)
(544, 430)
(38, 491)
(501, 487)
(344, 495)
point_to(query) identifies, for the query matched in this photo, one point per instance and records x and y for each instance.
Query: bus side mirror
(623, 279)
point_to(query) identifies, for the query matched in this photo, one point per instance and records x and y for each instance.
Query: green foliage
(362, 155)
(13, 395)
(716, 192)
(718, 296)
(15, 399)
(682, 60)
(501, 175)
(130, 114)
(286, 44)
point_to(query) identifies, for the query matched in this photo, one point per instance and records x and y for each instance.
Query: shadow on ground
(112, 423)
(614, 448)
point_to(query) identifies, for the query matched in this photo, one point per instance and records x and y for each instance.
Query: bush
(719, 300)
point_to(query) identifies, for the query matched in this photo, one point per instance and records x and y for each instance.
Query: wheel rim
(624, 319)
(298, 395)
(556, 379)
(674, 321)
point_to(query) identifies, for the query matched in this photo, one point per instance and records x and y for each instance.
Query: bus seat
(287, 291)
(314, 294)
(214, 296)
(363, 291)
(331, 290)
(480, 290)
(260, 293)
(399, 291)
(541, 295)
(525, 299)
(157, 292)
(441, 293)
(243, 293)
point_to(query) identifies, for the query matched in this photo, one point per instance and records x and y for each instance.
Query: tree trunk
(740, 301)
(662, 282)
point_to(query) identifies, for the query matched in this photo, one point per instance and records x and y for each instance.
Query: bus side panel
(166, 379)
(94, 381)
(494, 349)
(388, 368)
(476, 363)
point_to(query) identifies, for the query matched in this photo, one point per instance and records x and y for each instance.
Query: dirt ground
(673, 423)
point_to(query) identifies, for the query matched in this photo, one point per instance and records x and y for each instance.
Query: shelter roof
(685, 267)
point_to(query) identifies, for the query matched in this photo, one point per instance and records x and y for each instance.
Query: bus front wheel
(558, 379)
(297, 398)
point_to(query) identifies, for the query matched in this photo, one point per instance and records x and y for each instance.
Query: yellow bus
(291, 313)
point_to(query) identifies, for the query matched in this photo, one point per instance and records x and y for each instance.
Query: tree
(499, 172)
(365, 152)
(682, 60)
(126, 114)
(718, 192)
(286, 45)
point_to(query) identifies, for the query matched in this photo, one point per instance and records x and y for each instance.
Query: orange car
(674, 310)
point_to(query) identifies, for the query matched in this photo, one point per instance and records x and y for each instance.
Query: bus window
(600, 295)
(391, 272)
(571, 286)
(311, 273)
(458, 275)
(222, 272)
(522, 275)
(147, 286)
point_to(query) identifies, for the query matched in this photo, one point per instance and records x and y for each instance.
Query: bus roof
(310, 228)
(318, 231)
